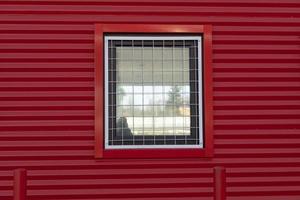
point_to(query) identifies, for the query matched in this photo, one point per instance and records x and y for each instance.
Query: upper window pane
(153, 87)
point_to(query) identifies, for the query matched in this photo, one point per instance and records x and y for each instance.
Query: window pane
(171, 99)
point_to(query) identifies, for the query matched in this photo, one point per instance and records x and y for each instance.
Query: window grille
(153, 92)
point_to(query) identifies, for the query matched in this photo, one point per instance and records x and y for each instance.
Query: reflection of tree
(174, 100)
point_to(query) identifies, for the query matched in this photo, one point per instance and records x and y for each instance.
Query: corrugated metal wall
(46, 101)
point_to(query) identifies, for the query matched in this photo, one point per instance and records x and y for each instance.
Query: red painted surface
(47, 101)
(20, 184)
(100, 31)
(99, 93)
(220, 183)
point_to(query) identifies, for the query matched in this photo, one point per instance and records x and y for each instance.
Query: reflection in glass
(153, 91)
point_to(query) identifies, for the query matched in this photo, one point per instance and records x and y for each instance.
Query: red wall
(47, 103)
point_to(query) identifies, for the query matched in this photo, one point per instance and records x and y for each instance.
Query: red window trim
(100, 151)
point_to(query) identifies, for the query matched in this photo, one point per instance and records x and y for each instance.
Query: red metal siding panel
(47, 101)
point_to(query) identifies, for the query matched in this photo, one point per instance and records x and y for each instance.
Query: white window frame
(200, 92)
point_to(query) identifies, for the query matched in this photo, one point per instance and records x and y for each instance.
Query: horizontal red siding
(47, 101)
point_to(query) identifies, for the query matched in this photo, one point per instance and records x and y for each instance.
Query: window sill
(156, 153)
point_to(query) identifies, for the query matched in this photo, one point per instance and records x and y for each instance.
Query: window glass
(153, 92)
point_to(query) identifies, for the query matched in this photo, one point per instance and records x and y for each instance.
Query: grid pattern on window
(153, 92)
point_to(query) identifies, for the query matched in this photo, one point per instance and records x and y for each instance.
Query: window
(154, 92)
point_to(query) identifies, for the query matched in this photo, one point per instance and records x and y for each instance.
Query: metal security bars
(153, 92)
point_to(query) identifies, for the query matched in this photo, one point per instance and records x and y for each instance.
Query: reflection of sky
(143, 95)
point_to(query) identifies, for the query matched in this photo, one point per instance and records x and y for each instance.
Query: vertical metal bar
(143, 91)
(163, 90)
(20, 184)
(173, 85)
(220, 183)
(118, 84)
(133, 88)
(183, 90)
(153, 111)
